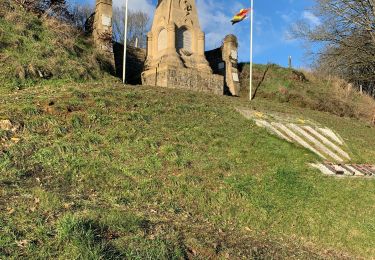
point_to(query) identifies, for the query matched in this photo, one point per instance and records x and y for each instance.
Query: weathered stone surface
(184, 78)
(102, 26)
(176, 38)
(322, 141)
(224, 61)
(175, 50)
(316, 143)
(135, 59)
(327, 142)
(346, 170)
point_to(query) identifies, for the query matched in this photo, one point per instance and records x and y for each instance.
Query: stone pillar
(171, 29)
(202, 62)
(201, 39)
(230, 57)
(102, 29)
(173, 58)
(150, 54)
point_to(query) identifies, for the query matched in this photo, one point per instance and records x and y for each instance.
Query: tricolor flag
(240, 16)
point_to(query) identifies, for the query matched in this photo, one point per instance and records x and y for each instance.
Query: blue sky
(272, 21)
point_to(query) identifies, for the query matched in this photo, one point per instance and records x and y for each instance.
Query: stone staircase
(320, 140)
(346, 170)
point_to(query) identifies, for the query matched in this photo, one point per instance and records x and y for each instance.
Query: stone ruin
(175, 55)
(224, 61)
(102, 26)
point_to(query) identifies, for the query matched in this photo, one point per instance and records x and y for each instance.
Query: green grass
(34, 50)
(319, 93)
(106, 171)
(109, 171)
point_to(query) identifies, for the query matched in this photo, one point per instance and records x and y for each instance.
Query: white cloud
(214, 18)
(137, 5)
(311, 18)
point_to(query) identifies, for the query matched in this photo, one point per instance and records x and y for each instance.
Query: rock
(6, 125)
(298, 76)
(21, 73)
(40, 74)
(283, 90)
(15, 140)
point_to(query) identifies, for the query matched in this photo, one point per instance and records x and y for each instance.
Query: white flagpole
(251, 49)
(125, 40)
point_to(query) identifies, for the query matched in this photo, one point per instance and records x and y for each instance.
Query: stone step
(316, 143)
(297, 139)
(326, 141)
(345, 170)
(328, 132)
(265, 124)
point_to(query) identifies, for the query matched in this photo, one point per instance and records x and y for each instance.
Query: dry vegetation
(310, 90)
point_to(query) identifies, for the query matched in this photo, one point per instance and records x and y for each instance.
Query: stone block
(184, 78)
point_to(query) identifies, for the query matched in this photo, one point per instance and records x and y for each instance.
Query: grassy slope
(327, 101)
(34, 49)
(142, 172)
(317, 93)
(103, 170)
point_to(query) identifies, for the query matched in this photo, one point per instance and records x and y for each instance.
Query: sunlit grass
(112, 171)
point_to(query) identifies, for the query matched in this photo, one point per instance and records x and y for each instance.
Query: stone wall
(214, 58)
(184, 78)
(135, 61)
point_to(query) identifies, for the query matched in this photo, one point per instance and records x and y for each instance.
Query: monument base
(184, 78)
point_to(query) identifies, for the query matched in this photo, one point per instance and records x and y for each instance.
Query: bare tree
(80, 14)
(138, 25)
(346, 33)
(56, 8)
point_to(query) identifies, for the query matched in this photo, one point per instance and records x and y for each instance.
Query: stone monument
(175, 50)
(224, 61)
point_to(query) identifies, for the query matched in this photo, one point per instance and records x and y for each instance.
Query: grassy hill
(36, 49)
(101, 170)
(308, 90)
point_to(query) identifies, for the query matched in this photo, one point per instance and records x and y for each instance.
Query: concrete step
(315, 142)
(346, 170)
(326, 141)
(265, 124)
(297, 139)
(328, 132)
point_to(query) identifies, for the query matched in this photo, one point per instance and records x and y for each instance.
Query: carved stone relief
(186, 6)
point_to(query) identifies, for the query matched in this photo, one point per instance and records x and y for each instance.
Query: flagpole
(125, 40)
(251, 49)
